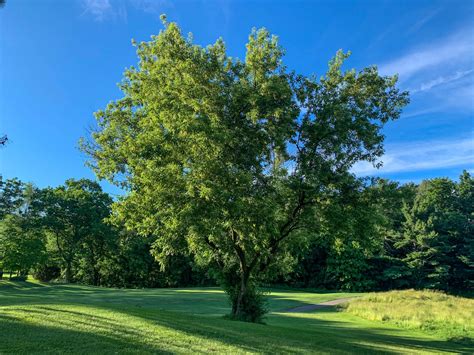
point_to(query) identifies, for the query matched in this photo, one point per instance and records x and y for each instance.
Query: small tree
(229, 159)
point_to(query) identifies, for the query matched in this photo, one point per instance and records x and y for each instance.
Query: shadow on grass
(312, 335)
(24, 337)
(308, 335)
(212, 300)
(84, 331)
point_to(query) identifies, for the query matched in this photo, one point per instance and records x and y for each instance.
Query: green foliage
(74, 221)
(131, 264)
(439, 234)
(230, 159)
(21, 247)
(11, 192)
(46, 273)
(395, 236)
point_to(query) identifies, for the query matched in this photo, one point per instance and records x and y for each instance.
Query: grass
(448, 316)
(42, 318)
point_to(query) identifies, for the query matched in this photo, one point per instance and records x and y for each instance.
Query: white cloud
(455, 49)
(441, 80)
(101, 10)
(154, 7)
(443, 68)
(437, 154)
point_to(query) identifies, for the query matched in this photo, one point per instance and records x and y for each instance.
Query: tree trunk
(68, 273)
(239, 306)
(96, 277)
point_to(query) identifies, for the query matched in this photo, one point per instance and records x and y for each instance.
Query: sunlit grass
(43, 318)
(433, 311)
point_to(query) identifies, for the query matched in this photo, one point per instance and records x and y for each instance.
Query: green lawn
(38, 318)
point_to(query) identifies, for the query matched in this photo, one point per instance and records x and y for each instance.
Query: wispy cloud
(154, 7)
(451, 50)
(442, 80)
(424, 20)
(439, 75)
(101, 10)
(422, 156)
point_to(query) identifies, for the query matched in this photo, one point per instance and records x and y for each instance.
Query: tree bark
(239, 307)
(68, 273)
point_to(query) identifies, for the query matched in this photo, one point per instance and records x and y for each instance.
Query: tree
(348, 237)
(388, 269)
(22, 246)
(74, 219)
(230, 159)
(439, 234)
(11, 196)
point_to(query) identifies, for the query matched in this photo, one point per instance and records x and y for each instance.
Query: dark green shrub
(46, 273)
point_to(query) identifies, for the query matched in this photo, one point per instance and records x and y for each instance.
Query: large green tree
(229, 159)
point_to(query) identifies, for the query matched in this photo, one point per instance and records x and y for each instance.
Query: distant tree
(347, 236)
(22, 246)
(231, 159)
(439, 234)
(73, 216)
(11, 196)
(388, 270)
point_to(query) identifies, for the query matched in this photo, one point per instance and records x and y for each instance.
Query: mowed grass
(448, 316)
(42, 318)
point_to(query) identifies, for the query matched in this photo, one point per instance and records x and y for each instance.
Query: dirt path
(327, 304)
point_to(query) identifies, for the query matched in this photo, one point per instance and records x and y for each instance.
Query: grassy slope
(67, 318)
(448, 316)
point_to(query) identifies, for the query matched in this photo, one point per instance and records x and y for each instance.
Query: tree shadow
(312, 335)
(284, 333)
(26, 338)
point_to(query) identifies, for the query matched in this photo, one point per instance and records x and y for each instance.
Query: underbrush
(436, 312)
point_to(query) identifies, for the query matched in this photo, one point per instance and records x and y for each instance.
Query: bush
(46, 273)
(253, 307)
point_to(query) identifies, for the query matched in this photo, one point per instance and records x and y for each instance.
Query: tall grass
(432, 311)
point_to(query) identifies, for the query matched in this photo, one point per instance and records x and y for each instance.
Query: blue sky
(60, 61)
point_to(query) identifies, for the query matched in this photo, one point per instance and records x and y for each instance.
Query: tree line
(375, 235)
(63, 234)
